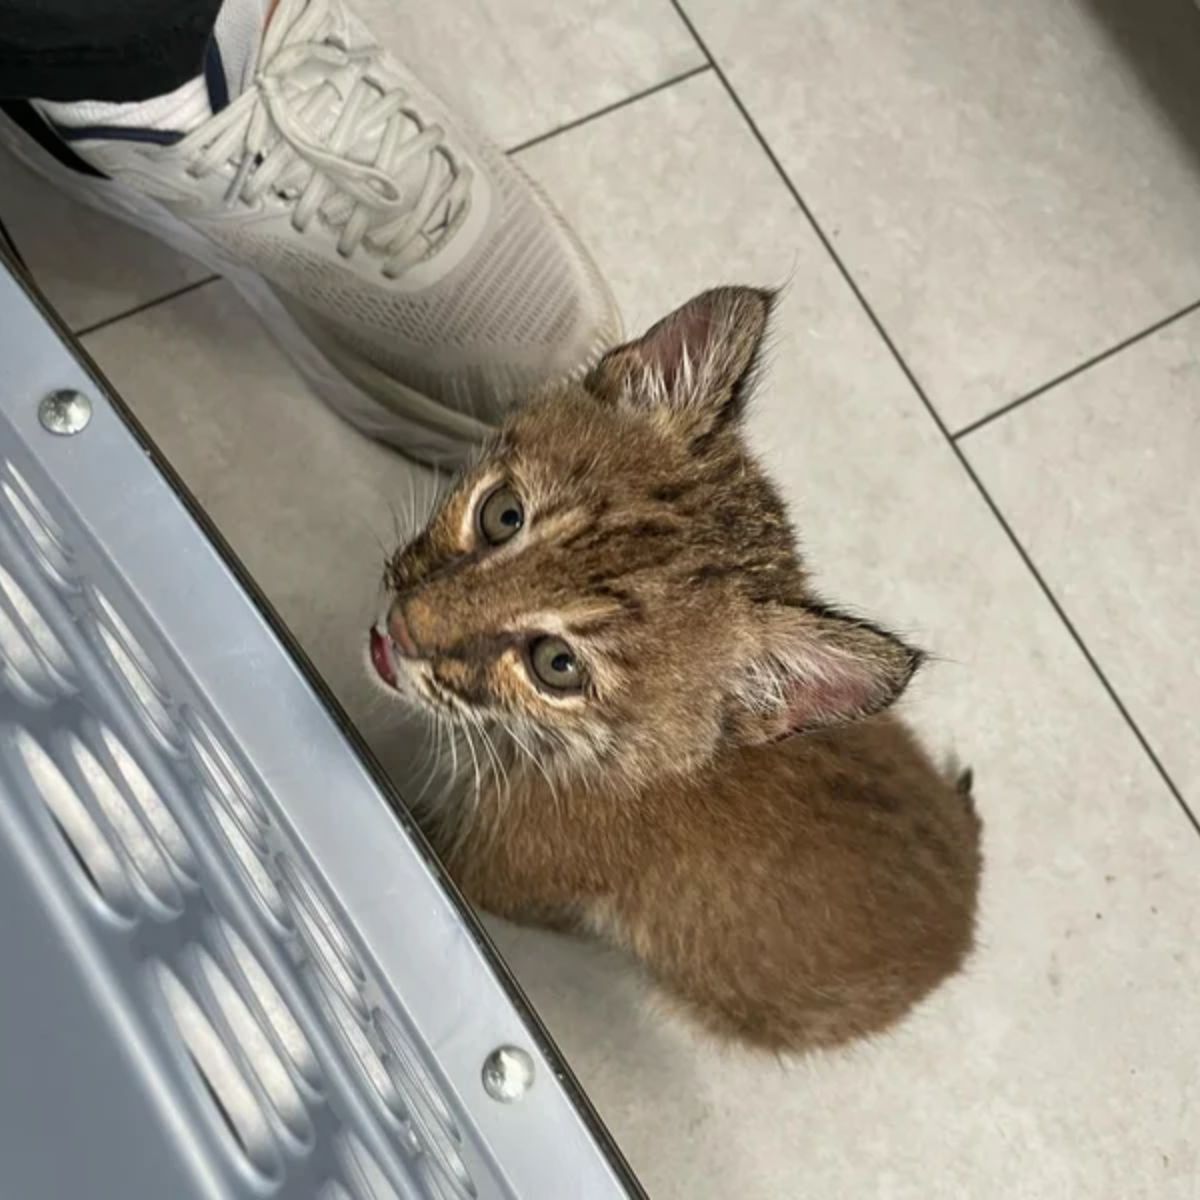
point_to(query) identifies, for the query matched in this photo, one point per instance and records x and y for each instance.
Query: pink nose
(402, 639)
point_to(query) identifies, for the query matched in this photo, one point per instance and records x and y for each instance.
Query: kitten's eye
(501, 514)
(555, 664)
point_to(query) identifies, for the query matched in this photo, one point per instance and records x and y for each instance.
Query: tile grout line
(1086, 365)
(610, 108)
(141, 308)
(936, 417)
(1097, 670)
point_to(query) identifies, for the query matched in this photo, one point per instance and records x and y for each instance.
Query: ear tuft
(816, 668)
(693, 368)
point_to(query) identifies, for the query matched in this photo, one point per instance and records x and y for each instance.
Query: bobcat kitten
(687, 753)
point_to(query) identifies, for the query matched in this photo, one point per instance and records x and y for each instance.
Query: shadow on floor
(1160, 40)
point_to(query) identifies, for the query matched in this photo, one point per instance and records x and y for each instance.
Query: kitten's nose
(398, 630)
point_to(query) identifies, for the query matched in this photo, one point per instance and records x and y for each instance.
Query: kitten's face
(615, 585)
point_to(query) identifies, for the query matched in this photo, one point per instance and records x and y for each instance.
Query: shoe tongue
(232, 56)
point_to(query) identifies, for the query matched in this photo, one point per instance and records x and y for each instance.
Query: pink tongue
(381, 659)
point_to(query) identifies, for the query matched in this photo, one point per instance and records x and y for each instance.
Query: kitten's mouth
(382, 657)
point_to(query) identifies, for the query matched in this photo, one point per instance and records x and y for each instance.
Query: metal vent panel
(298, 1007)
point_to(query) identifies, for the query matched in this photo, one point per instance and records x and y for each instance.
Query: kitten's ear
(694, 367)
(815, 668)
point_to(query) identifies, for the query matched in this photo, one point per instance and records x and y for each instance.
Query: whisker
(466, 729)
(397, 529)
(431, 483)
(431, 757)
(533, 758)
(412, 507)
(497, 769)
(378, 541)
(453, 736)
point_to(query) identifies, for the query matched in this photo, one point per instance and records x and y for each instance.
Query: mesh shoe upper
(524, 306)
(392, 236)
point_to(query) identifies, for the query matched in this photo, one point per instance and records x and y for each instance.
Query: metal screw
(65, 412)
(507, 1074)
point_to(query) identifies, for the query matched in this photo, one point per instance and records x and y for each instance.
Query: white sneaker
(419, 279)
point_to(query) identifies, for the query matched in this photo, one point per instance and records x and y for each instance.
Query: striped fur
(727, 797)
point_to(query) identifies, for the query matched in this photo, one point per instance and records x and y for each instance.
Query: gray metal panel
(227, 966)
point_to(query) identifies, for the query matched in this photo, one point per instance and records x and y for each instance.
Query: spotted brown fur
(726, 797)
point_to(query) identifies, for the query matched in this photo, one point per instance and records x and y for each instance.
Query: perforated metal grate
(276, 1046)
(114, 809)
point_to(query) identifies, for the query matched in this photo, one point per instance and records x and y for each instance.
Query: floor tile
(1098, 478)
(520, 68)
(1027, 1076)
(91, 267)
(308, 504)
(1015, 187)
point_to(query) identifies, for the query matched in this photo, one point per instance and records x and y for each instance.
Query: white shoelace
(272, 134)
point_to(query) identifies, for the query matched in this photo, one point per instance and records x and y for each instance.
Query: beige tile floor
(1003, 196)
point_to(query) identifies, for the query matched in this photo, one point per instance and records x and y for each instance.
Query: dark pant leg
(101, 49)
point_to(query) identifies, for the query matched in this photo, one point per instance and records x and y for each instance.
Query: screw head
(507, 1074)
(65, 412)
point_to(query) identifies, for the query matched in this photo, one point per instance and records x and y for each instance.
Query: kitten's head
(616, 583)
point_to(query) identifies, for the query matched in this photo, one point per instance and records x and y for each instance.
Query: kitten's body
(793, 891)
(793, 895)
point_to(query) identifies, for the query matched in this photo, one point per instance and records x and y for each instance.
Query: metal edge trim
(391, 794)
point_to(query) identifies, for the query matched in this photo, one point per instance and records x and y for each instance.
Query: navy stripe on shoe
(118, 133)
(22, 114)
(214, 77)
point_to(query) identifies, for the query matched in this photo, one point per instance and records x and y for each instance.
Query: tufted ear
(814, 668)
(693, 368)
